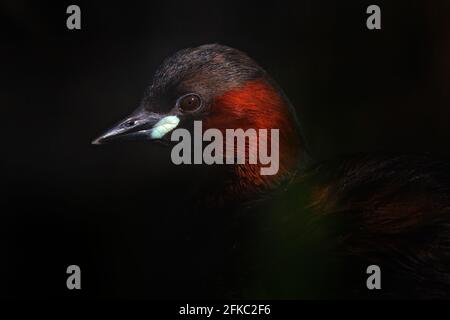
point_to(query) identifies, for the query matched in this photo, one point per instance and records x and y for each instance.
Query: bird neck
(258, 105)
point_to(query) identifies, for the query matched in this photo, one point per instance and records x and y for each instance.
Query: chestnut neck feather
(258, 105)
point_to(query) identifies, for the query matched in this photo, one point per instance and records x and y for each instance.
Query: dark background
(114, 210)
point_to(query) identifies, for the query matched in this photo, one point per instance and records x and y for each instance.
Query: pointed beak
(141, 125)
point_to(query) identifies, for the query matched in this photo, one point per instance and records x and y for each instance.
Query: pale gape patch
(164, 126)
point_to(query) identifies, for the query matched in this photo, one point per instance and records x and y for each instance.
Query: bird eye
(190, 102)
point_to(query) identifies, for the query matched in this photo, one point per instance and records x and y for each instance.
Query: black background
(113, 210)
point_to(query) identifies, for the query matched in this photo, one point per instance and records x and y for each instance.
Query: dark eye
(190, 102)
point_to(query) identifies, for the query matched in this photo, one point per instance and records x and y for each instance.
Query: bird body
(390, 211)
(310, 230)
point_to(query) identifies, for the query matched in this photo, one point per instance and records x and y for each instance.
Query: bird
(313, 228)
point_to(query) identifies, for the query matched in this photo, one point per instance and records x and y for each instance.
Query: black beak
(141, 125)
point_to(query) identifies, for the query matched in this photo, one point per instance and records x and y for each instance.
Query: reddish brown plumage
(257, 105)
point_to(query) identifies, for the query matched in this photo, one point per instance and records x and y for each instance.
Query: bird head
(223, 88)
